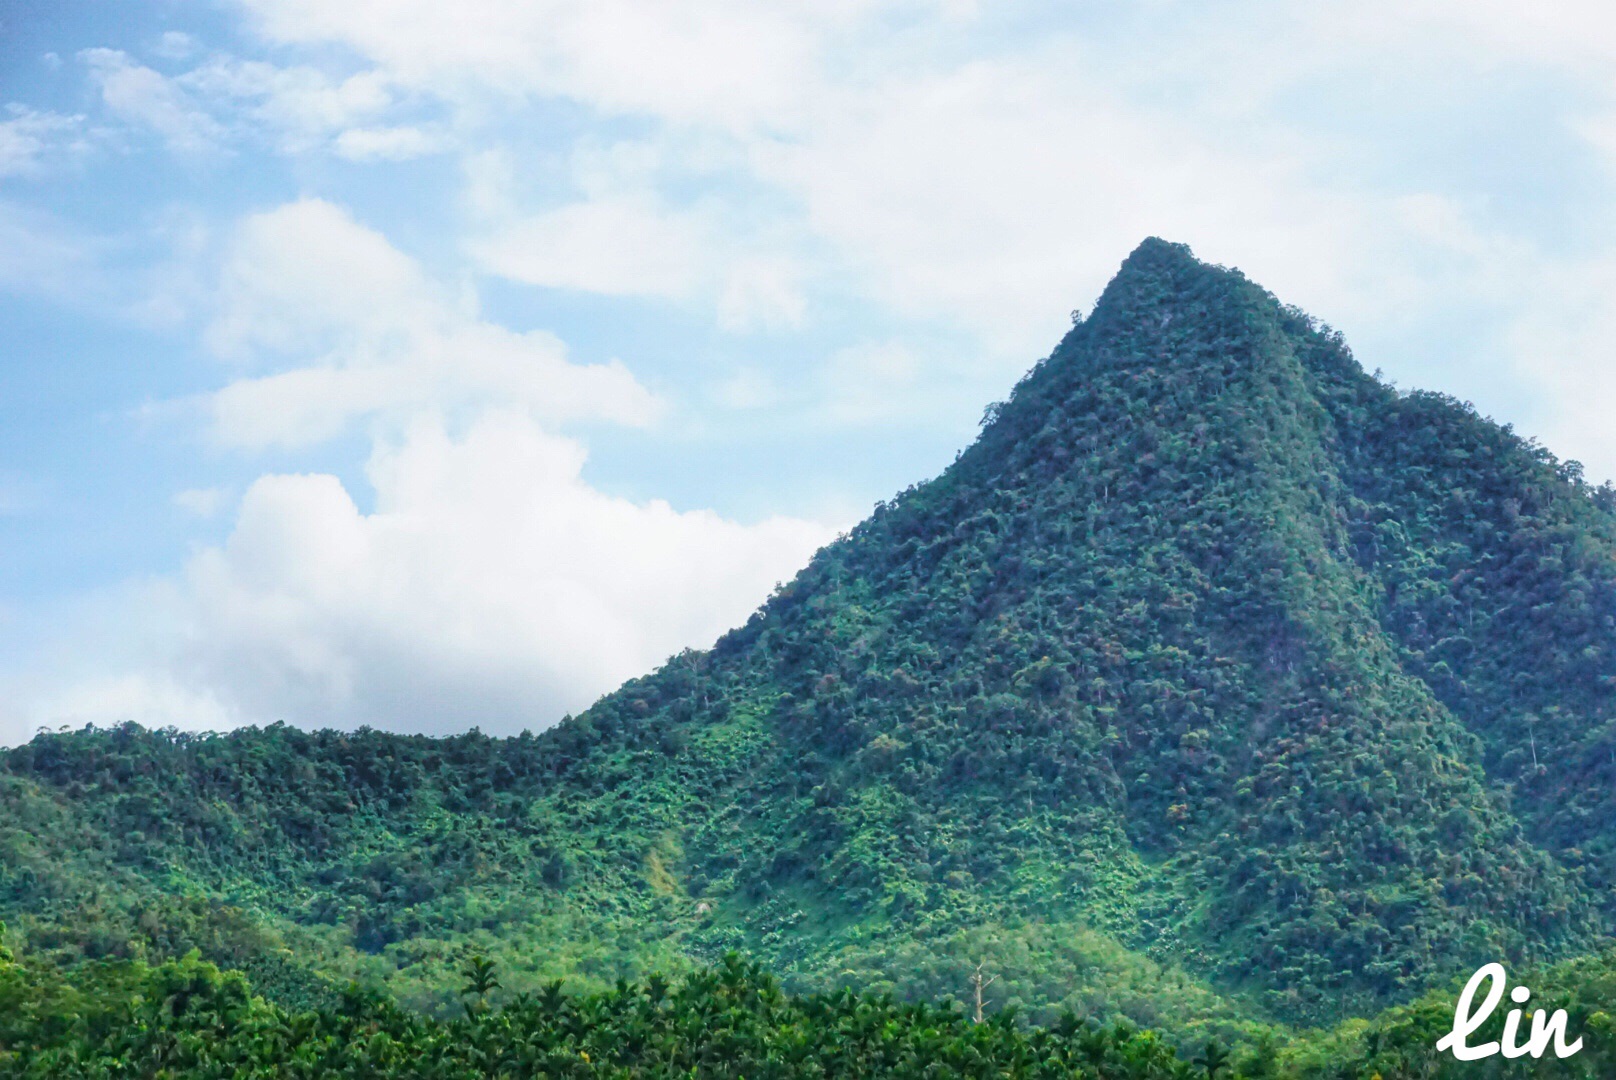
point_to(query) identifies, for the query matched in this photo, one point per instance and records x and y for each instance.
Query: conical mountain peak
(1164, 304)
(1156, 254)
(1210, 647)
(1184, 354)
(1163, 272)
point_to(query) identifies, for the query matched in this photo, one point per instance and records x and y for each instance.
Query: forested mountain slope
(1216, 680)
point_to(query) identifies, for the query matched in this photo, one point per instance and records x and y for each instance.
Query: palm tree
(1214, 1059)
(480, 979)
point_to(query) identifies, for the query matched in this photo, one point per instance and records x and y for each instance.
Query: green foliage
(185, 1019)
(1213, 1060)
(1217, 687)
(1399, 1042)
(480, 980)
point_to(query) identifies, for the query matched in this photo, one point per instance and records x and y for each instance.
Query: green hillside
(1217, 685)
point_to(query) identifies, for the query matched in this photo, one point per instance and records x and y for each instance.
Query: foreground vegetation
(187, 1019)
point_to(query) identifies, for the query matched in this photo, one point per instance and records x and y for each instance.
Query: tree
(480, 980)
(1262, 1061)
(1213, 1058)
(978, 984)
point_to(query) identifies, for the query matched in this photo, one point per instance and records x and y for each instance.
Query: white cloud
(996, 195)
(176, 45)
(624, 246)
(387, 143)
(147, 98)
(623, 237)
(490, 585)
(1578, 36)
(735, 63)
(305, 277)
(151, 700)
(305, 280)
(31, 134)
(225, 100)
(989, 186)
(303, 106)
(636, 247)
(1599, 131)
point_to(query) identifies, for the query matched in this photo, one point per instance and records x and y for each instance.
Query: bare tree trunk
(979, 984)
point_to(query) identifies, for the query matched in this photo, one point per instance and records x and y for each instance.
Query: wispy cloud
(146, 98)
(400, 143)
(29, 136)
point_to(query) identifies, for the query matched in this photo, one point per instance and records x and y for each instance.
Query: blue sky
(430, 365)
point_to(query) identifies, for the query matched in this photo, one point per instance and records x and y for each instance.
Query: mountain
(1217, 683)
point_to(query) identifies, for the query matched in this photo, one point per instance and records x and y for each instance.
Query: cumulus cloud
(305, 280)
(491, 584)
(485, 580)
